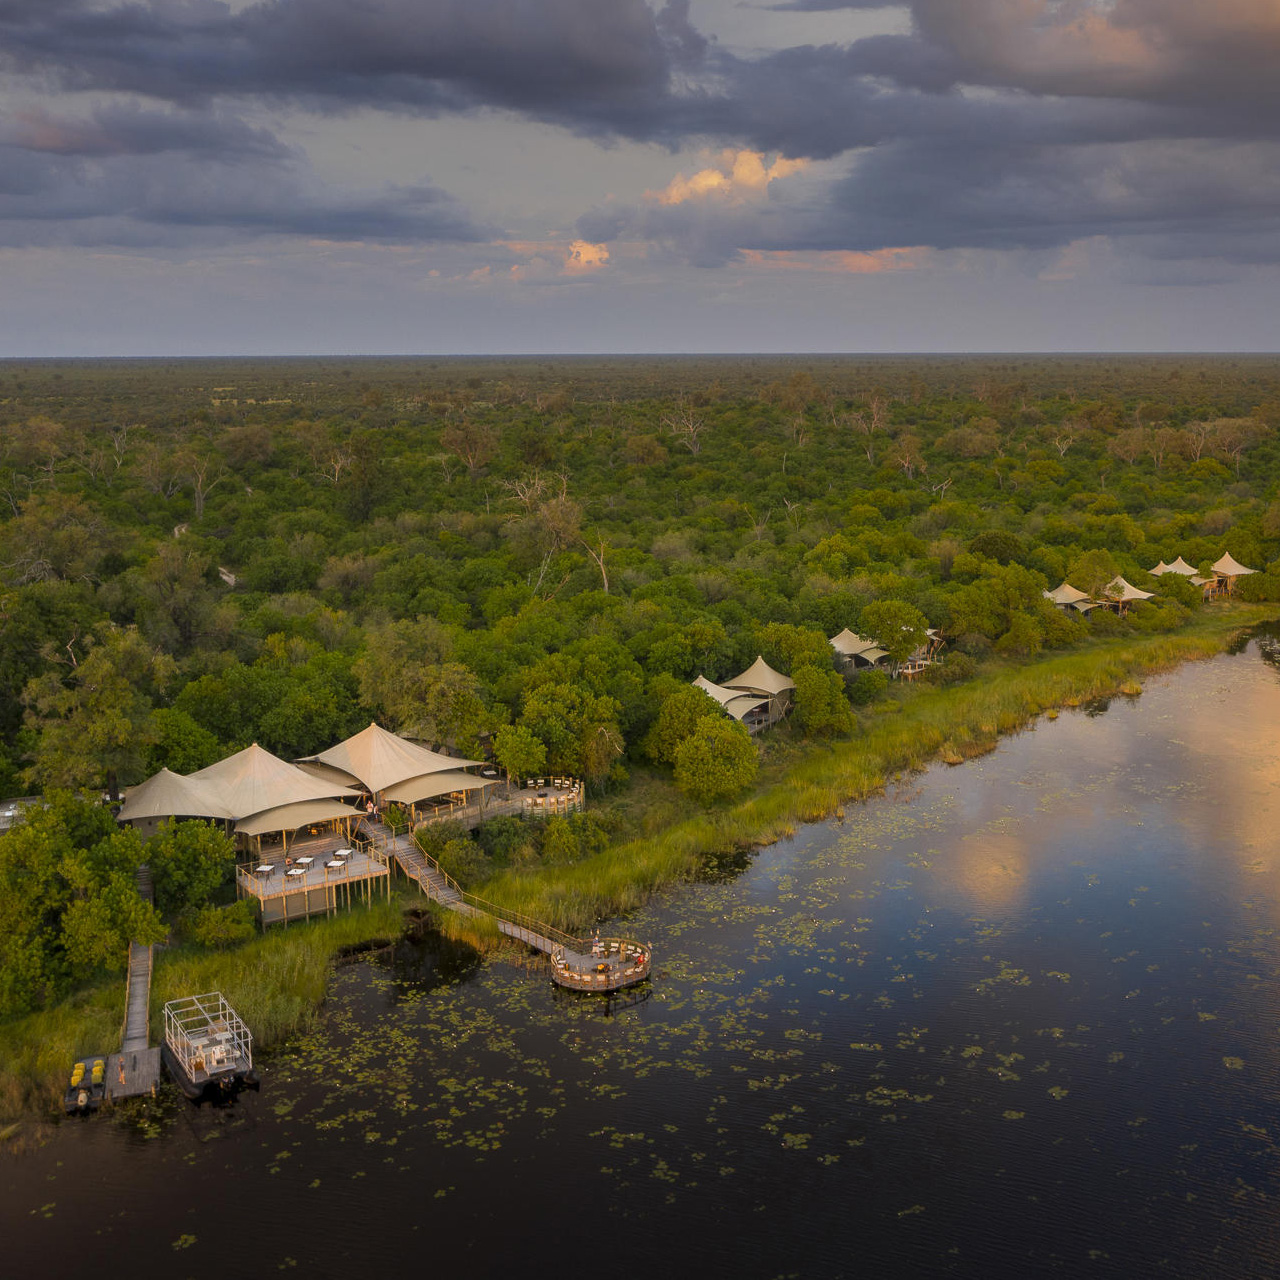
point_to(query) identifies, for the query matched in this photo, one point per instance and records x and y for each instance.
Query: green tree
(677, 719)
(97, 930)
(519, 752)
(33, 894)
(224, 926)
(1091, 571)
(190, 862)
(180, 743)
(787, 647)
(580, 729)
(998, 544)
(897, 627)
(92, 719)
(464, 860)
(394, 668)
(718, 760)
(821, 707)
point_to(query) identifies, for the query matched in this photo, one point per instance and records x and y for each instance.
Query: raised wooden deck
(291, 890)
(532, 803)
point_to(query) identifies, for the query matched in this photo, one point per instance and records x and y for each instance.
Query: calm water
(1017, 1017)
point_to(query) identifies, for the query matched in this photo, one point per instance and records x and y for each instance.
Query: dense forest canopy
(537, 553)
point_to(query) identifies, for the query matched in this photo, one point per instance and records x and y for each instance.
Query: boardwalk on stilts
(597, 965)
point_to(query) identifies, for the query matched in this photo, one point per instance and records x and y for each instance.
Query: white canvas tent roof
(170, 795)
(734, 701)
(379, 759)
(289, 817)
(849, 645)
(1179, 566)
(434, 784)
(1065, 594)
(760, 677)
(253, 780)
(1230, 568)
(1119, 589)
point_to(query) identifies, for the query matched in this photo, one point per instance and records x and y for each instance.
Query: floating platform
(207, 1050)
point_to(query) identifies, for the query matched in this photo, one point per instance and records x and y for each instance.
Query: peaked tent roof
(289, 817)
(761, 677)
(1230, 568)
(850, 645)
(1119, 589)
(170, 795)
(734, 701)
(379, 759)
(254, 780)
(1065, 593)
(435, 784)
(1179, 566)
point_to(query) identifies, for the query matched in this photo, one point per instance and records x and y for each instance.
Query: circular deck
(609, 965)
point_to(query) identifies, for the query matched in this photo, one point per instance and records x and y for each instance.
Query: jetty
(134, 1072)
(595, 964)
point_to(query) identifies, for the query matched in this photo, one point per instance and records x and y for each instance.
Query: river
(1013, 1018)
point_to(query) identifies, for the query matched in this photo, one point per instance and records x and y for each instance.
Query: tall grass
(275, 982)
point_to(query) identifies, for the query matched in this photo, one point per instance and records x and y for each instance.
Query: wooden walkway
(137, 1006)
(575, 963)
(135, 1070)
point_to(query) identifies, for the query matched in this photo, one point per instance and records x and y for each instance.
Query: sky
(578, 176)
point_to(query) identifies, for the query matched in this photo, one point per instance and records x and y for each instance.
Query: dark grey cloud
(551, 57)
(988, 124)
(129, 176)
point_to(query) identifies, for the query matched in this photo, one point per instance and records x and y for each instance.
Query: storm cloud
(988, 123)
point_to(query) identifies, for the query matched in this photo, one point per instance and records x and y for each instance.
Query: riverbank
(812, 782)
(278, 981)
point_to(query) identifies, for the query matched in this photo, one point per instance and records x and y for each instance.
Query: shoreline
(279, 980)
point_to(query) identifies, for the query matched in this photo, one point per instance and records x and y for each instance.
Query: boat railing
(206, 1035)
